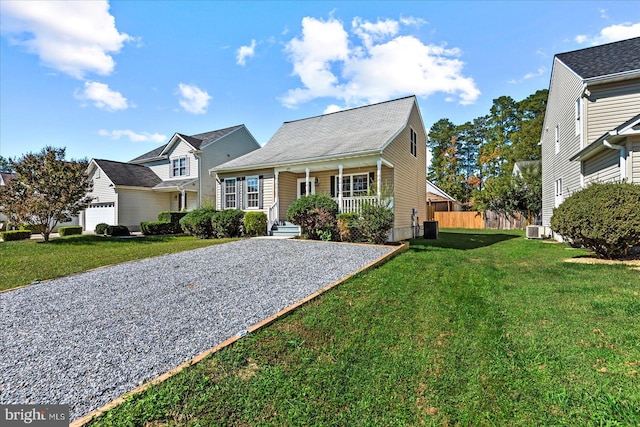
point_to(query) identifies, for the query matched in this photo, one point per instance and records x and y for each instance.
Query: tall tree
(525, 140)
(46, 189)
(439, 142)
(5, 165)
(502, 122)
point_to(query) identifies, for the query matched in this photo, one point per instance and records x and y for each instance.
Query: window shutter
(187, 166)
(333, 186)
(372, 179)
(170, 168)
(239, 193)
(222, 197)
(260, 192)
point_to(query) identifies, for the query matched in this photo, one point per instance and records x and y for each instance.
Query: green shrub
(198, 222)
(376, 220)
(155, 228)
(227, 223)
(118, 230)
(173, 218)
(15, 235)
(34, 228)
(101, 228)
(315, 214)
(70, 230)
(349, 227)
(255, 223)
(604, 218)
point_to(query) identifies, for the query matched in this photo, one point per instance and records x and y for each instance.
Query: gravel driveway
(86, 339)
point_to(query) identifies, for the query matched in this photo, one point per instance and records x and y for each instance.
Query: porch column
(379, 179)
(183, 198)
(339, 188)
(275, 185)
(306, 182)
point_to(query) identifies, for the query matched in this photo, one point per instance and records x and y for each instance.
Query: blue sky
(113, 80)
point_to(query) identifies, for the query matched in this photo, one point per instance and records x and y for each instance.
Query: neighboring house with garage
(591, 128)
(171, 177)
(356, 155)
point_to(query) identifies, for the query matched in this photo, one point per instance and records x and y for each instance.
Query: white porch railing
(272, 213)
(354, 204)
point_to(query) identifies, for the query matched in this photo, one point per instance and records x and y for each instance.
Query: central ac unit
(535, 232)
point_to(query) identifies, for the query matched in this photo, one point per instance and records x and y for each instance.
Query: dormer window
(180, 166)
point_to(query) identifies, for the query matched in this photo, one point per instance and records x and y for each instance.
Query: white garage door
(97, 213)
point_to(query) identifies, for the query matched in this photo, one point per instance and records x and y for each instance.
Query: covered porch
(350, 182)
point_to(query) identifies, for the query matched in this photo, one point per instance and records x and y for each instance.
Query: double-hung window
(253, 192)
(414, 142)
(230, 193)
(179, 166)
(354, 185)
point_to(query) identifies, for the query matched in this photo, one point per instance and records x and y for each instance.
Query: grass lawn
(476, 328)
(23, 262)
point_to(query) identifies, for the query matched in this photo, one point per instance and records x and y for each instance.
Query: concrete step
(285, 229)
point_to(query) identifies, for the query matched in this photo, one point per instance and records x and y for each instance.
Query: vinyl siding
(409, 176)
(287, 187)
(635, 163)
(268, 182)
(163, 168)
(604, 167)
(229, 147)
(611, 105)
(136, 206)
(102, 187)
(564, 89)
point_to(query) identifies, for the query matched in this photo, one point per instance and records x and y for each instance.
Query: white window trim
(349, 177)
(173, 173)
(257, 192)
(312, 185)
(226, 193)
(558, 192)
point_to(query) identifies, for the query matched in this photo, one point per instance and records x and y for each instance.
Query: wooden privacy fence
(459, 219)
(480, 220)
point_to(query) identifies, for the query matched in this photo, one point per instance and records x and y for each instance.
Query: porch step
(285, 229)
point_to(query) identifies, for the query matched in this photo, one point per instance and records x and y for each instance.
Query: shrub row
(604, 218)
(317, 215)
(207, 223)
(167, 223)
(101, 228)
(118, 230)
(10, 235)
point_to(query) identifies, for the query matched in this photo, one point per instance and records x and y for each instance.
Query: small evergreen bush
(376, 220)
(349, 227)
(255, 223)
(70, 230)
(604, 218)
(227, 223)
(198, 222)
(118, 230)
(155, 228)
(101, 228)
(10, 235)
(315, 214)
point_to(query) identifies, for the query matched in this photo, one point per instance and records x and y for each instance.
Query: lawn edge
(82, 421)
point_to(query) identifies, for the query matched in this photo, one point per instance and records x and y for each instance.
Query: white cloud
(333, 108)
(133, 136)
(611, 34)
(74, 37)
(410, 20)
(245, 52)
(386, 64)
(193, 99)
(102, 96)
(538, 73)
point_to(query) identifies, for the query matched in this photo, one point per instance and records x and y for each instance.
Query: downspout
(623, 156)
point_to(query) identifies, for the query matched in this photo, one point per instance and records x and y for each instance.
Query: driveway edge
(82, 421)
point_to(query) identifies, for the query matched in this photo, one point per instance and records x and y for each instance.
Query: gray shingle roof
(127, 174)
(356, 131)
(604, 60)
(196, 141)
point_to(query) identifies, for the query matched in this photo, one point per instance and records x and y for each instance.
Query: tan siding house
(172, 177)
(362, 154)
(591, 129)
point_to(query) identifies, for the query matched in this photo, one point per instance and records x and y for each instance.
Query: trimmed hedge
(70, 230)
(34, 228)
(118, 230)
(227, 223)
(316, 216)
(604, 218)
(101, 228)
(155, 228)
(174, 219)
(198, 222)
(255, 223)
(10, 235)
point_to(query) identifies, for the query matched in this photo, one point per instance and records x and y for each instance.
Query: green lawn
(476, 328)
(25, 261)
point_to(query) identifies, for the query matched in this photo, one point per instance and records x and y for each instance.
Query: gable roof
(127, 174)
(437, 194)
(196, 141)
(357, 131)
(604, 60)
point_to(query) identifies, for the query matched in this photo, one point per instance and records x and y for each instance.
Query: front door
(302, 186)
